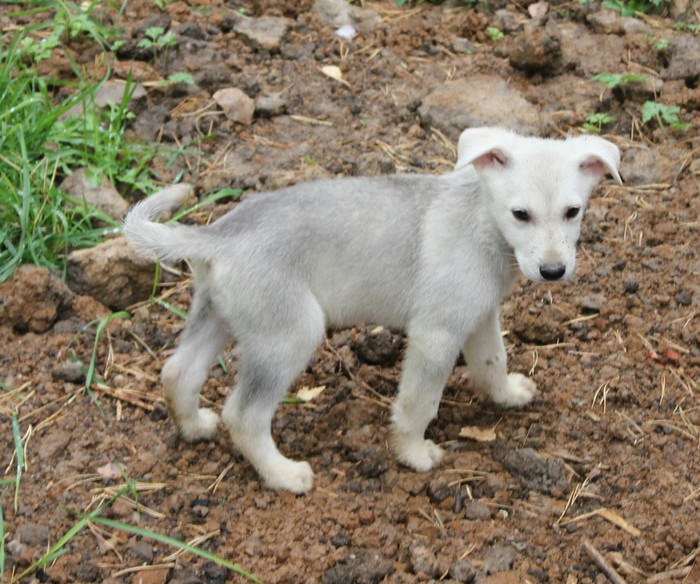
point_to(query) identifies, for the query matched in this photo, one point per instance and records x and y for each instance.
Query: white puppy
(433, 255)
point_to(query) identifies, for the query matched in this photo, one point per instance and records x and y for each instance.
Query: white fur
(432, 255)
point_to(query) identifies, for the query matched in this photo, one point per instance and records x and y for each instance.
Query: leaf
(306, 394)
(478, 434)
(334, 73)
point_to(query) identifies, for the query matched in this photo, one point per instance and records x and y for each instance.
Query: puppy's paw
(295, 477)
(519, 391)
(201, 426)
(418, 454)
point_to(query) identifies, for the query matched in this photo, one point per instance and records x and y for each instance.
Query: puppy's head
(536, 191)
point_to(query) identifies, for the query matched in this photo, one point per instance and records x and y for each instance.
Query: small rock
(543, 328)
(476, 510)
(642, 166)
(191, 30)
(112, 272)
(142, 551)
(630, 286)
(361, 566)
(333, 13)
(150, 121)
(153, 576)
(69, 371)
(270, 105)
(237, 106)
(683, 58)
(95, 189)
(340, 538)
(215, 573)
(85, 571)
(377, 346)
(592, 303)
(543, 474)
(160, 20)
(373, 164)
(423, 561)
(606, 22)
(536, 48)
(438, 490)
(499, 558)
(266, 32)
(33, 534)
(113, 91)
(463, 571)
(33, 297)
(503, 578)
(373, 462)
(480, 100)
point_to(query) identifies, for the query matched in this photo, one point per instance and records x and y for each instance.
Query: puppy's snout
(552, 271)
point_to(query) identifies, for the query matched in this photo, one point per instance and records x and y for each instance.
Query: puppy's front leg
(486, 359)
(429, 360)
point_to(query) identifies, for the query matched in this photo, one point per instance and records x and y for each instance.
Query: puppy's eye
(572, 212)
(521, 215)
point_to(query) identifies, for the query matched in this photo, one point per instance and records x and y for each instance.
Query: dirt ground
(606, 458)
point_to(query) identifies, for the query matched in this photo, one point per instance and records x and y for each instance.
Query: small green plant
(19, 457)
(157, 40)
(633, 7)
(595, 122)
(494, 33)
(172, 80)
(615, 80)
(660, 43)
(687, 26)
(663, 115)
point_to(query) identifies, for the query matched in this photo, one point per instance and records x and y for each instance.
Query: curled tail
(169, 242)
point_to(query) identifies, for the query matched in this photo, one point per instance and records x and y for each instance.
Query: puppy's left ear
(598, 156)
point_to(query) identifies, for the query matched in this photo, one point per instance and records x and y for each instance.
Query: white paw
(292, 476)
(202, 426)
(418, 454)
(519, 391)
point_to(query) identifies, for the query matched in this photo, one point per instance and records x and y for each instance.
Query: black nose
(552, 271)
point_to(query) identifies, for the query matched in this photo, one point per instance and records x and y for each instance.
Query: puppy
(433, 255)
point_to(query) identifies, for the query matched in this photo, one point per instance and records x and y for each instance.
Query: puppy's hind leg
(486, 359)
(184, 373)
(269, 365)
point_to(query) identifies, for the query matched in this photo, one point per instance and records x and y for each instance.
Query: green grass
(43, 138)
(19, 457)
(62, 545)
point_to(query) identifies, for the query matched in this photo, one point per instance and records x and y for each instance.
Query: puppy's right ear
(484, 148)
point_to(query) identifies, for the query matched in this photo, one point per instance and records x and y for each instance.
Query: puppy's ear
(598, 156)
(484, 148)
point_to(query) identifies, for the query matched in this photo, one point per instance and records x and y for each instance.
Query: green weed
(164, 539)
(19, 457)
(617, 80)
(595, 122)
(40, 142)
(157, 40)
(101, 326)
(633, 7)
(663, 115)
(494, 33)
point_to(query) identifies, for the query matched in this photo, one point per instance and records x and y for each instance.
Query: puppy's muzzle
(552, 271)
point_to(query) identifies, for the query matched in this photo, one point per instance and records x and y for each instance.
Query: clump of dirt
(608, 452)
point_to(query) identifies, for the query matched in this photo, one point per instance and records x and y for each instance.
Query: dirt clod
(361, 565)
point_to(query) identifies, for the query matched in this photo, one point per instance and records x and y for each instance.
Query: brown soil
(608, 453)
